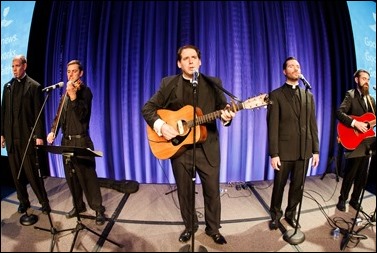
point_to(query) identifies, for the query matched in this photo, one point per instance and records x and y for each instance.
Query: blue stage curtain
(126, 47)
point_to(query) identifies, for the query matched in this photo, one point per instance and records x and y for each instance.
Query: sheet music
(98, 153)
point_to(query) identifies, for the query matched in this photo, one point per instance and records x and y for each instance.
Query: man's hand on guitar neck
(227, 115)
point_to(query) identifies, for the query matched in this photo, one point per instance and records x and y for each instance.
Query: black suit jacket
(31, 104)
(210, 99)
(286, 126)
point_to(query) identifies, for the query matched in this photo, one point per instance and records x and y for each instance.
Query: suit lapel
(362, 103)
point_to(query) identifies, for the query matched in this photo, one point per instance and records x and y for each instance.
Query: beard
(364, 89)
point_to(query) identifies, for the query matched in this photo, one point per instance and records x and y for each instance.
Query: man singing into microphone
(292, 140)
(175, 92)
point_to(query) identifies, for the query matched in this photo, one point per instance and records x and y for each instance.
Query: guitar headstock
(256, 102)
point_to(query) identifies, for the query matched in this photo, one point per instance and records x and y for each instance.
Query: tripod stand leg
(373, 218)
(345, 241)
(77, 230)
(109, 240)
(335, 160)
(53, 232)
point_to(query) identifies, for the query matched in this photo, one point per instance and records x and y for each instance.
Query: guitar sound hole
(174, 141)
(179, 139)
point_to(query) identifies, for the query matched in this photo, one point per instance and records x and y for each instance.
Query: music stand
(69, 152)
(366, 148)
(52, 229)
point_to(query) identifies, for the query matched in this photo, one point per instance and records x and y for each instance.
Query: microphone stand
(295, 236)
(30, 219)
(193, 175)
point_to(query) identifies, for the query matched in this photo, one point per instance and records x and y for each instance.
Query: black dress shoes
(23, 207)
(72, 213)
(45, 208)
(355, 205)
(186, 235)
(100, 218)
(274, 224)
(218, 238)
(292, 222)
(341, 205)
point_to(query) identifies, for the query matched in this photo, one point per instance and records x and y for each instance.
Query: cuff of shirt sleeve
(225, 123)
(157, 125)
(353, 123)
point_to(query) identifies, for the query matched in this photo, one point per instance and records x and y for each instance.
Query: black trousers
(83, 180)
(209, 177)
(29, 174)
(355, 173)
(297, 172)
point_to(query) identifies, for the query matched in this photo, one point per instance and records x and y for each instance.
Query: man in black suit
(21, 104)
(292, 139)
(174, 93)
(356, 102)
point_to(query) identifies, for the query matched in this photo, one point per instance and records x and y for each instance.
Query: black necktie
(296, 100)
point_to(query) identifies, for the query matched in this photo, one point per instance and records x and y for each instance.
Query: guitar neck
(213, 115)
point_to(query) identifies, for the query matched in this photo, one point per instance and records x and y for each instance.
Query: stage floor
(149, 221)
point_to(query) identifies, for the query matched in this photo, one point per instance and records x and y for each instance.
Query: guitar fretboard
(213, 115)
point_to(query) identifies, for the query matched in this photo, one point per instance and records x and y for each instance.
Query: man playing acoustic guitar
(354, 114)
(175, 93)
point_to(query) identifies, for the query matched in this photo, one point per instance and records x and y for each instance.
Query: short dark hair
(357, 73)
(179, 52)
(288, 59)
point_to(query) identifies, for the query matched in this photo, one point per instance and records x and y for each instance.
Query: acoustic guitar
(182, 120)
(350, 137)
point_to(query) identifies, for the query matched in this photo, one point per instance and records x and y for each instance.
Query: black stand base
(187, 247)
(347, 237)
(373, 218)
(53, 232)
(80, 226)
(294, 236)
(28, 219)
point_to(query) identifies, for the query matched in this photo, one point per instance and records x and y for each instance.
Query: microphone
(307, 84)
(9, 84)
(52, 87)
(195, 76)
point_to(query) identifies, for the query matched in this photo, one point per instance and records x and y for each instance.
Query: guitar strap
(227, 92)
(371, 105)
